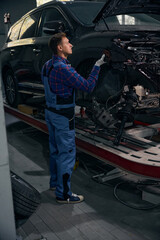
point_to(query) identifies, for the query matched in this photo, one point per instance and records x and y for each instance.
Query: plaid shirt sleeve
(73, 79)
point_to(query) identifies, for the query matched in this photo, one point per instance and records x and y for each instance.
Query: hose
(132, 205)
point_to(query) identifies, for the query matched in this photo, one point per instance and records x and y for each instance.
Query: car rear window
(29, 26)
(14, 32)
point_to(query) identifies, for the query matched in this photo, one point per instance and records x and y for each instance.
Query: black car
(128, 31)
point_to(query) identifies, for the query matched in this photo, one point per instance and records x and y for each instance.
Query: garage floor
(100, 216)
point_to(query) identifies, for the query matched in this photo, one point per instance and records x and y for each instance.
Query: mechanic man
(60, 81)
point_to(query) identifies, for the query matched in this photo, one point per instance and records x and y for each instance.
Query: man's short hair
(55, 40)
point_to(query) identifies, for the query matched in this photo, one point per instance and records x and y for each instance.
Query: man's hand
(100, 61)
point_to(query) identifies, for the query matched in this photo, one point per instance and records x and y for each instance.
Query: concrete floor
(100, 216)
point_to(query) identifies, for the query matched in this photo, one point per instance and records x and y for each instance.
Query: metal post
(7, 221)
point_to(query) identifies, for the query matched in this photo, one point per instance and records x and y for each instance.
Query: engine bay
(141, 54)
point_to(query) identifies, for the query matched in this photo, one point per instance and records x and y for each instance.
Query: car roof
(63, 4)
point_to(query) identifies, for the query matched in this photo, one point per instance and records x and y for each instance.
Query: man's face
(65, 47)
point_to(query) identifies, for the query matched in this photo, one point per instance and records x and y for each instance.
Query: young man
(60, 80)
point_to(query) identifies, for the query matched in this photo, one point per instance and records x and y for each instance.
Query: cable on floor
(133, 205)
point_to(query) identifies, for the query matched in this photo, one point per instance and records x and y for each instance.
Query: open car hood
(116, 7)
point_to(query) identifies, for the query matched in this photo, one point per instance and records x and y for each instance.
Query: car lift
(135, 153)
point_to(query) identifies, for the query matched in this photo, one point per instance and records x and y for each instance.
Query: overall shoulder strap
(45, 73)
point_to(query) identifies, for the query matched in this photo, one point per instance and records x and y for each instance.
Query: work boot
(74, 198)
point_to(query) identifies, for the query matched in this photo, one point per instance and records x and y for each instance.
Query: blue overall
(60, 123)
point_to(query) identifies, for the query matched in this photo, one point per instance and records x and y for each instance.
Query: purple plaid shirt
(63, 78)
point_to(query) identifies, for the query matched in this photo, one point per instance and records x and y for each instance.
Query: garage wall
(16, 8)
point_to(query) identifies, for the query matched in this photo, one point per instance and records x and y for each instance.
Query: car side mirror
(53, 27)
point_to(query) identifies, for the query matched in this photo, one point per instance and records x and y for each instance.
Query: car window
(29, 26)
(14, 32)
(130, 22)
(51, 14)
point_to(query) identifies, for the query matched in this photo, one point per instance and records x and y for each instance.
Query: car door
(11, 49)
(25, 71)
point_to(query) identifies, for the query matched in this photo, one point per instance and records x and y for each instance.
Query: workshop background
(102, 216)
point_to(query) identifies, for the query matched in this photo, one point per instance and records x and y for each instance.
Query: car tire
(11, 89)
(25, 197)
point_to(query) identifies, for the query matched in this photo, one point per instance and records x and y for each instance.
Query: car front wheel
(11, 89)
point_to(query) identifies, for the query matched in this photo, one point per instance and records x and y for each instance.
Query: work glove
(100, 61)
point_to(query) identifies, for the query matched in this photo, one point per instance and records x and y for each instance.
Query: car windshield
(130, 22)
(86, 11)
